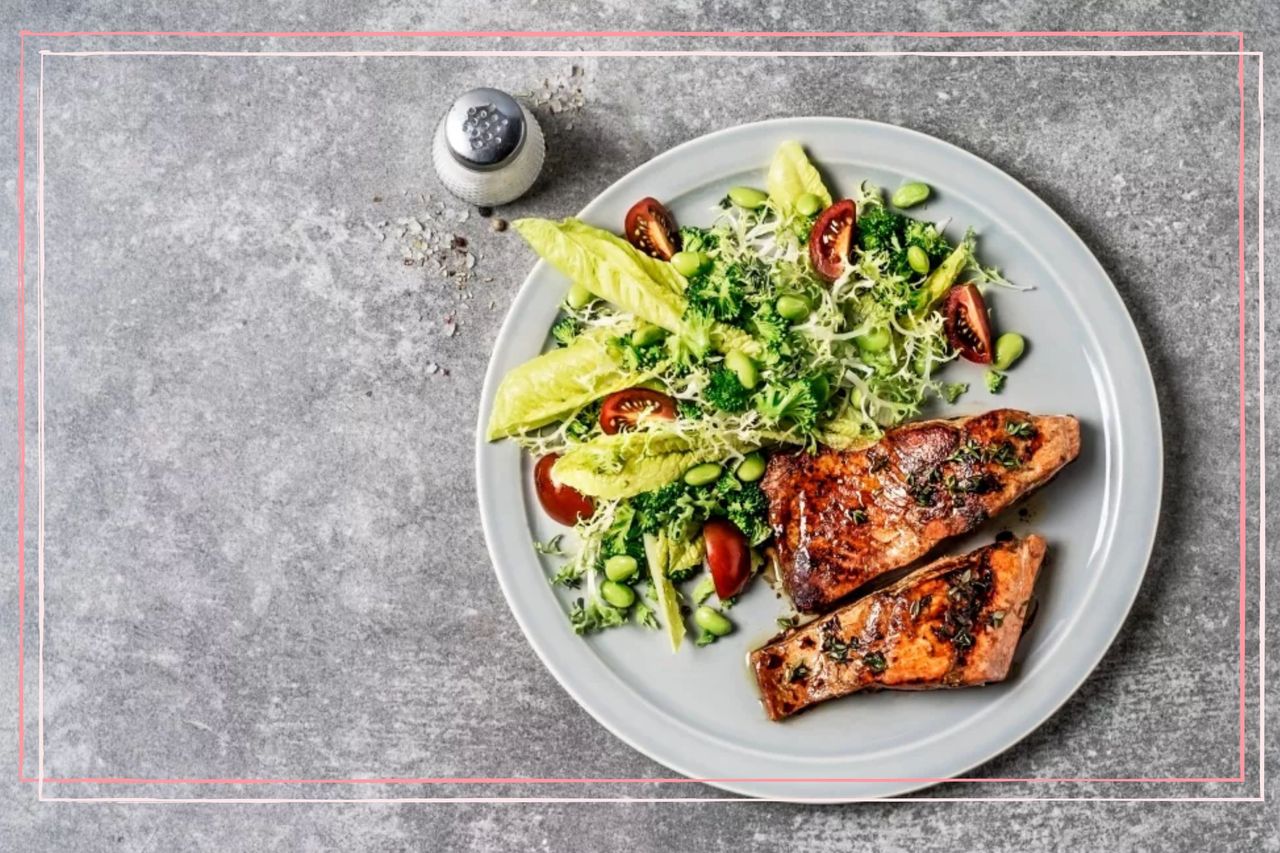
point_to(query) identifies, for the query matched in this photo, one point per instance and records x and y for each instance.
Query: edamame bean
(618, 594)
(712, 621)
(1009, 348)
(918, 259)
(579, 296)
(911, 194)
(647, 334)
(808, 204)
(792, 308)
(687, 263)
(620, 567)
(748, 198)
(751, 468)
(702, 475)
(876, 340)
(744, 368)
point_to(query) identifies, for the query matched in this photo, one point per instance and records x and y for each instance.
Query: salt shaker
(488, 148)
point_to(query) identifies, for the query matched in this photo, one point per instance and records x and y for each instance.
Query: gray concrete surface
(262, 551)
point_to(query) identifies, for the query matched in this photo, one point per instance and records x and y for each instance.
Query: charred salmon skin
(952, 623)
(840, 518)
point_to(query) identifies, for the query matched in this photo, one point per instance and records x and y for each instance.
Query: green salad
(686, 354)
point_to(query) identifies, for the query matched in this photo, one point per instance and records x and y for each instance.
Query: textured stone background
(262, 546)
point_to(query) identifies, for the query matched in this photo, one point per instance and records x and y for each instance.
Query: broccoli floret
(880, 229)
(927, 236)
(654, 509)
(995, 381)
(795, 401)
(677, 509)
(726, 487)
(802, 226)
(584, 422)
(723, 291)
(672, 509)
(565, 330)
(624, 536)
(774, 332)
(716, 293)
(697, 239)
(688, 410)
(640, 358)
(692, 343)
(726, 393)
(951, 391)
(747, 507)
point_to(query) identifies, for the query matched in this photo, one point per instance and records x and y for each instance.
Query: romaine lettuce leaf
(683, 553)
(556, 384)
(615, 271)
(790, 176)
(628, 463)
(657, 553)
(611, 268)
(660, 272)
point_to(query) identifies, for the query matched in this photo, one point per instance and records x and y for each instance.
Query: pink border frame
(21, 412)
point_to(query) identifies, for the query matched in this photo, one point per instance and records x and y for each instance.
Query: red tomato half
(965, 319)
(831, 239)
(728, 556)
(563, 503)
(622, 410)
(651, 228)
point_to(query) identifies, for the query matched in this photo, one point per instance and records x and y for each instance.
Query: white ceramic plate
(697, 712)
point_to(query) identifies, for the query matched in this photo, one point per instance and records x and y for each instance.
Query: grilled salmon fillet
(840, 518)
(952, 623)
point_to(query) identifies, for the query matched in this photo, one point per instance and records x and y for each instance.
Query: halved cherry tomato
(563, 503)
(728, 556)
(831, 239)
(651, 228)
(622, 410)
(965, 319)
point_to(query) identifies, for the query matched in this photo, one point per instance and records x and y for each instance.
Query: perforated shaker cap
(484, 128)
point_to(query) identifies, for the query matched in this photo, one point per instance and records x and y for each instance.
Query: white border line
(1262, 445)
(563, 53)
(638, 800)
(40, 420)
(312, 54)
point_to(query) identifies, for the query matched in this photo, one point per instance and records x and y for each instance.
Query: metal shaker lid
(484, 128)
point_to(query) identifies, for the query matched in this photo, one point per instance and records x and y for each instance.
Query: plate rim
(1147, 389)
